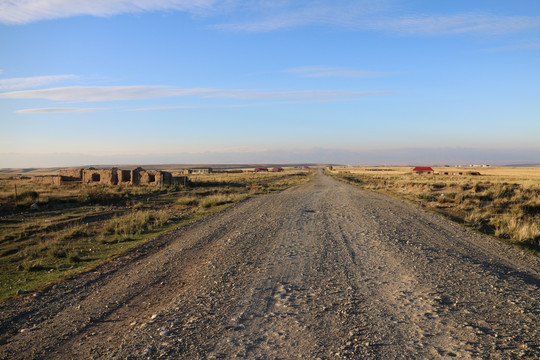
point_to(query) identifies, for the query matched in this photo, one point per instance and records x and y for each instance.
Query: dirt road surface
(323, 270)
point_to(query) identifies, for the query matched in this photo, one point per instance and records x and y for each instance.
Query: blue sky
(354, 82)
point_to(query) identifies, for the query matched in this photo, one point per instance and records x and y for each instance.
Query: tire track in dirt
(322, 270)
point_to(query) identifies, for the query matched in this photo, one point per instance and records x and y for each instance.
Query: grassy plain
(502, 201)
(78, 226)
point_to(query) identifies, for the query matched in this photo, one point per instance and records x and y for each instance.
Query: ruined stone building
(68, 176)
(200, 170)
(114, 176)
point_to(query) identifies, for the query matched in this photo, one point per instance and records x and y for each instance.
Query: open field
(77, 226)
(495, 173)
(320, 270)
(501, 201)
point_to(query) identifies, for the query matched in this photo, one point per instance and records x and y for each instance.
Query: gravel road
(322, 270)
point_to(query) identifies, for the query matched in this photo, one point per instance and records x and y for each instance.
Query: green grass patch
(80, 227)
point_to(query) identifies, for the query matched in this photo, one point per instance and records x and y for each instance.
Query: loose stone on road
(322, 270)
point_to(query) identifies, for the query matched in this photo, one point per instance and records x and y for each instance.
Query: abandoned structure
(429, 171)
(67, 176)
(47, 180)
(114, 176)
(201, 170)
(461, 173)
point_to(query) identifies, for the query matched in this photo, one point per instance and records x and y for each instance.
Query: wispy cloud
(101, 93)
(377, 16)
(56, 110)
(32, 82)
(514, 47)
(116, 93)
(301, 94)
(162, 108)
(455, 24)
(301, 101)
(27, 11)
(265, 16)
(271, 15)
(404, 24)
(326, 71)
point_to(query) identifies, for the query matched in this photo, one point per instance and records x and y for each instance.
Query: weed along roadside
(502, 202)
(76, 227)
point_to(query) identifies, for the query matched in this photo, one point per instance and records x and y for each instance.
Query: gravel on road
(322, 270)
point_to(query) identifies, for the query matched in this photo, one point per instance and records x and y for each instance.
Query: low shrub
(188, 201)
(438, 186)
(220, 199)
(517, 230)
(136, 223)
(74, 256)
(478, 187)
(426, 196)
(446, 198)
(28, 195)
(58, 252)
(34, 266)
(98, 195)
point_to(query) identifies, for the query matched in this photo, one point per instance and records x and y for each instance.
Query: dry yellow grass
(497, 172)
(502, 201)
(77, 226)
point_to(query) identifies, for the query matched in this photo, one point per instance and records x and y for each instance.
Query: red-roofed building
(419, 170)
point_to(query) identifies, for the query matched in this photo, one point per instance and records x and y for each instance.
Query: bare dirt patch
(322, 270)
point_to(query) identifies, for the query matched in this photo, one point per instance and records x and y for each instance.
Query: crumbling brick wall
(136, 176)
(46, 179)
(182, 180)
(166, 178)
(105, 177)
(113, 176)
(150, 178)
(125, 177)
(75, 174)
(154, 178)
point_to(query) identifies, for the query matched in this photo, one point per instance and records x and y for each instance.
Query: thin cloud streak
(456, 24)
(411, 25)
(56, 110)
(32, 82)
(118, 93)
(293, 102)
(27, 11)
(267, 16)
(514, 47)
(274, 16)
(300, 94)
(102, 93)
(327, 71)
(162, 108)
(354, 17)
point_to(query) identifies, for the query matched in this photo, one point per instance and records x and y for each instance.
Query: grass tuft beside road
(505, 205)
(77, 227)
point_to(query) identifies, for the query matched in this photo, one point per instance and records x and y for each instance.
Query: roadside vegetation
(74, 227)
(503, 202)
